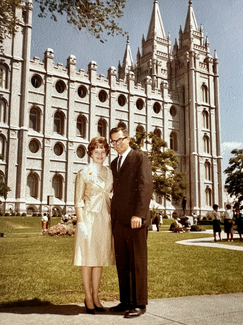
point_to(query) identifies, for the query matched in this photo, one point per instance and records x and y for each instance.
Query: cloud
(227, 147)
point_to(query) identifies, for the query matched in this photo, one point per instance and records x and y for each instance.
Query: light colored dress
(93, 193)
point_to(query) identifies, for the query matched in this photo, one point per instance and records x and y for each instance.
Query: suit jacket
(132, 189)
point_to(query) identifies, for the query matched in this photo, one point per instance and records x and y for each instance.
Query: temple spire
(191, 22)
(156, 26)
(127, 60)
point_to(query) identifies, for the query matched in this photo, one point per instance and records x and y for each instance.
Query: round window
(81, 151)
(82, 91)
(172, 111)
(121, 100)
(60, 86)
(156, 107)
(34, 146)
(36, 81)
(58, 149)
(103, 96)
(139, 104)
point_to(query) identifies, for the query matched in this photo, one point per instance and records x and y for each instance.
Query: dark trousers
(131, 263)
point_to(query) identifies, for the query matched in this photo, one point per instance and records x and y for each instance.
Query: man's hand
(136, 222)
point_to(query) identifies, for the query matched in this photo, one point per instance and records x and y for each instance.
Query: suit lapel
(126, 161)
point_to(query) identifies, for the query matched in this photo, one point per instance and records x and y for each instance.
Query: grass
(40, 267)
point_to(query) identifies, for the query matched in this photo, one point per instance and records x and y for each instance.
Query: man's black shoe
(134, 312)
(119, 308)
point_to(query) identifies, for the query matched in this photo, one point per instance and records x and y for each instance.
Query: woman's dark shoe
(99, 309)
(89, 311)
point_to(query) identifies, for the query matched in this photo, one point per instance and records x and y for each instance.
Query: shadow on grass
(36, 306)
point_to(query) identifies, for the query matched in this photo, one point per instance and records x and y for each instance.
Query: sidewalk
(197, 310)
(209, 242)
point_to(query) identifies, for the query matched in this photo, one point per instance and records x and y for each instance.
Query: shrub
(165, 217)
(204, 218)
(7, 214)
(13, 214)
(39, 214)
(34, 214)
(18, 214)
(23, 214)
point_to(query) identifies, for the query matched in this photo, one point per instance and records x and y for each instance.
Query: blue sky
(222, 22)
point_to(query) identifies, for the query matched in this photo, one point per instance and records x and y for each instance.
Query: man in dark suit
(130, 217)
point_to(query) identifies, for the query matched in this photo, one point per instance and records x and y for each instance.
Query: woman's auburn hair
(98, 142)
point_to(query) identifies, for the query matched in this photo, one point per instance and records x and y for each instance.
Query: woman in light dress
(93, 247)
(228, 222)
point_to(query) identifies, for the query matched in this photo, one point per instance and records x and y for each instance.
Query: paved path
(209, 242)
(197, 310)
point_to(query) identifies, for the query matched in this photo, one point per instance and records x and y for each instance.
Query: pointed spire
(191, 22)
(127, 60)
(156, 26)
(215, 55)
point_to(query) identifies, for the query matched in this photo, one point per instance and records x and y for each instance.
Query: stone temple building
(49, 113)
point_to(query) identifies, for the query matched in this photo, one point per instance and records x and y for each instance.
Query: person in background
(93, 244)
(183, 205)
(187, 226)
(178, 226)
(228, 222)
(216, 222)
(44, 221)
(239, 221)
(156, 221)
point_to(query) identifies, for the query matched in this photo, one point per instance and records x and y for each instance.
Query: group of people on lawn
(232, 221)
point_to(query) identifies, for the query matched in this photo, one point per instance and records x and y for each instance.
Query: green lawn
(35, 266)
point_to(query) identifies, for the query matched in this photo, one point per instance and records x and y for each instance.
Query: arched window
(207, 171)
(57, 186)
(157, 132)
(2, 110)
(122, 125)
(204, 93)
(59, 123)
(205, 120)
(34, 119)
(173, 141)
(3, 76)
(140, 129)
(81, 126)
(32, 185)
(102, 126)
(206, 144)
(2, 147)
(208, 197)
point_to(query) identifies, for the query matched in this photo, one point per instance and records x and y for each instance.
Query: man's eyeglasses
(119, 141)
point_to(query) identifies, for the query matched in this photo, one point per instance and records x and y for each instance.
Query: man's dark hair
(117, 129)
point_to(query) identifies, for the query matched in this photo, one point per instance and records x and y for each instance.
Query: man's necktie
(119, 163)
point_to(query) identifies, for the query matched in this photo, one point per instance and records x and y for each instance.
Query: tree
(4, 189)
(234, 180)
(8, 21)
(95, 16)
(167, 182)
